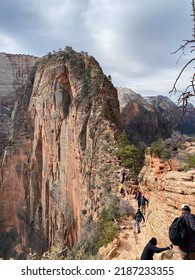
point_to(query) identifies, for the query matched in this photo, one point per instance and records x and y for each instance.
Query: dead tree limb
(186, 95)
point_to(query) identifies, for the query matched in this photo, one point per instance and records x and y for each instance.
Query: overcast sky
(131, 39)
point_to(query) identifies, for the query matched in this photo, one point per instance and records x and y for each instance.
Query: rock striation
(55, 173)
(167, 186)
(14, 70)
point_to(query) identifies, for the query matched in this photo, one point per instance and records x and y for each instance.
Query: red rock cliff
(57, 171)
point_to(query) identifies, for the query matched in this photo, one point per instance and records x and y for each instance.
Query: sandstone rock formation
(167, 186)
(55, 174)
(14, 70)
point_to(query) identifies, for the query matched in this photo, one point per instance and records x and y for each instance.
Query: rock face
(145, 119)
(167, 187)
(14, 70)
(58, 169)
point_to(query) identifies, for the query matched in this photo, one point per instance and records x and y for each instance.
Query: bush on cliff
(130, 156)
(159, 149)
(97, 234)
(190, 162)
(173, 147)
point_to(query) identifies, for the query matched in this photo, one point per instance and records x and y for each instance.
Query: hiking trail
(128, 245)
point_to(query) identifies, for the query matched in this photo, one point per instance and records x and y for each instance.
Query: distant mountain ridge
(145, 119)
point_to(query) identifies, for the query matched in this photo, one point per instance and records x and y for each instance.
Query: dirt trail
(129, 244)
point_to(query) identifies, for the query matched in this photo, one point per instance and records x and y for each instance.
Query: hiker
(123, 174)
(143, 201)
(138, 218)
(138, 197)
(122, 190)
(150, 249)
(187, 250)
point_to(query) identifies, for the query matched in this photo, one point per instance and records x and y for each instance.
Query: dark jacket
(190, 222)
(138, 195)
(144, 200)
(138, 215)
(149, 251)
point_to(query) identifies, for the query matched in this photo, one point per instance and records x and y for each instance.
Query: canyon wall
(14, 70)
(58, 170)
(168, 186)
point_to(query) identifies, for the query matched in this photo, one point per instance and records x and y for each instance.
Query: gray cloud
(132, 40)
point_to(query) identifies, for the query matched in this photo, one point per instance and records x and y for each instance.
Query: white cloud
(10, 45)
(132, 40)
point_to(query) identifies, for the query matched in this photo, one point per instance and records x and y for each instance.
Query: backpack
(121, 189)
(138, 217)
(138, 196)
(143, 202)
(178, 231)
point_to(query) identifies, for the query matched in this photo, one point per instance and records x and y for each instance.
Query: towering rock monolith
(58, 170)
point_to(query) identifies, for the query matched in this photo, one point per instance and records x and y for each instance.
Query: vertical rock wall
(14, 70)
(59, 170)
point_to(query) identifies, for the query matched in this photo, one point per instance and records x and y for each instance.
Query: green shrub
(56, 252)
(108, 112)
(97, 234)
(86, 81)
(159, 149)
(122, 139)
(130, 156)
(186, 168)
(106, 228)
(191, 161)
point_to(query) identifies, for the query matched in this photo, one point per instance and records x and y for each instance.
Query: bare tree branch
(186, 95)
(178, 77)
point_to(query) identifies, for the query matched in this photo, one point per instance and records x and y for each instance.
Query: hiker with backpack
(138, 197)
(123, 175)
(150, 249)
(138, 218)
(144, 201)
(182, 233)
